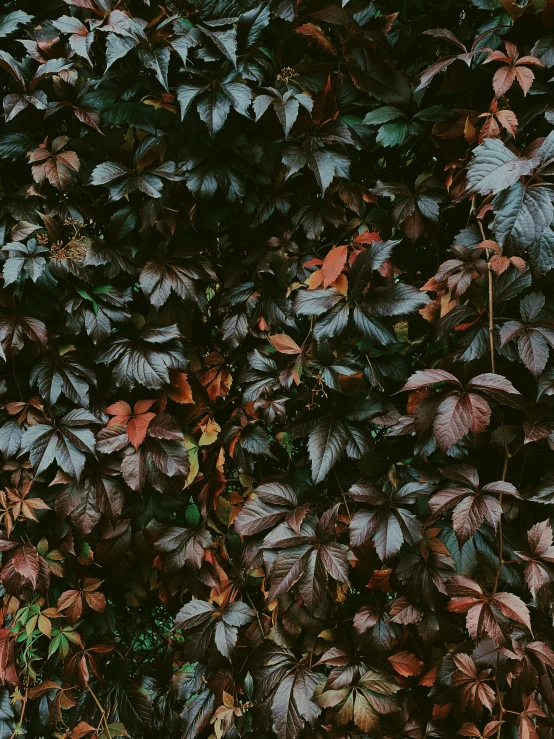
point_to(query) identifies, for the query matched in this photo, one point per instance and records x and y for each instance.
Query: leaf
(26, 563)
(521, 215)
(213, 109)
(326, 445)
(66, 443)
(291, 705)
(157, 59)
(284, 344)
(333, 264)
(406, 664)
(271, 505)
(494, 168)
(11, 22)
(135, 421)
(146, 360)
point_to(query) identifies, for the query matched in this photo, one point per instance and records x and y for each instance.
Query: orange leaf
(428, 679)
(121, 410)
(333, 264)
(81, 730)
(180, 390)
(284, 344)
(136, 428)
(367, 237)
(406, 664)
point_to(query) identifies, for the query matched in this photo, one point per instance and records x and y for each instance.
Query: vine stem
(102, 711)
(506, 460)
(491, 299)
(507, 457)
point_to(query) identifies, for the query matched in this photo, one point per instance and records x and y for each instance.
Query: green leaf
(382, 115)
(392, 134)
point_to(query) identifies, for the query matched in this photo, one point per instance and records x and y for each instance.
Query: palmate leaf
(273, 502)
(361, 703)
(184, 275)
(289, 685)
(385, 519)
(538, 556)
(323, 163)
(214, 102)
(63, 375)
(11, 22)
(223, 624)
(535, 337)
(24, 260)
(486, 614)
(306, 558)
(78, 501)
(67, 443)
(162, 455)
(146, 360)
(452, 413)
(472, 505)
(494, 168)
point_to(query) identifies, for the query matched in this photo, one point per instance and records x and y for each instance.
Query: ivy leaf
(326, 445)
(157, 59)
(494, 168)
(290, 686)
(472, 504)
(136, 421)
(273, 502)
(146, 360)
(24, 259)
(538, 555)
(385, 519)
(66, 375)
(522, 213)
(67, 443)
(11, 22)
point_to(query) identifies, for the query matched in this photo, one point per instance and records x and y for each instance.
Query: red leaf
(424, 378)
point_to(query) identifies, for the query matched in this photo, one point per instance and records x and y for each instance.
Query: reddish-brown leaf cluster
(276, 382)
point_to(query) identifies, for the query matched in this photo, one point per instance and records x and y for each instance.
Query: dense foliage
(276, 415)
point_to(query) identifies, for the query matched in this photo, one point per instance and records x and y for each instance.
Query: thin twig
(258, 619)
(500, 717)
(102, 711)
(343, 495)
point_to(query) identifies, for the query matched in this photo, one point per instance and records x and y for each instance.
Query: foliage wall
(276, 415)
